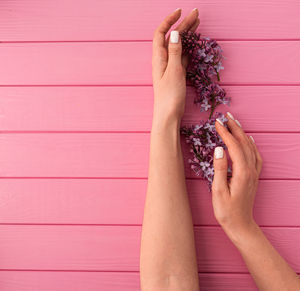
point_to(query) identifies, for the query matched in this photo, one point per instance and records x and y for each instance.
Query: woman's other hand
(233, 201)
(169, 67)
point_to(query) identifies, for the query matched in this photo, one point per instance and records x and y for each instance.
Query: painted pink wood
(110, 281)
(119, 155)
(133, 19)
(101, 201)
(130, 108)
(260, 41)
(116, 248)
(129, 63)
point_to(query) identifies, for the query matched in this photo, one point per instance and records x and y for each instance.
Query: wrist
(165, 123)
(242, 233)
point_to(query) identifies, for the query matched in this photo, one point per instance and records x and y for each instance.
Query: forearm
(168, 257)
(269, 270)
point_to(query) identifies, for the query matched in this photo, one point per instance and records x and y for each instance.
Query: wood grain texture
(116, 248)
(120, 155)
(101, 201)
(109, 281)
(130, 108)
(136, 20)
(105, 63)
(76, 108)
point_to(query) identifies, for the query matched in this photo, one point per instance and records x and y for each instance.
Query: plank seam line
(145, 40)
(134, 225)
(112, 271)
(126, 178)
(149, 85)
(101, 271)
(123, 131)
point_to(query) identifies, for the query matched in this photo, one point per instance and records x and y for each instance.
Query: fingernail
(174, 37)
(219, 152)
(238, 123)
(252, 138)
(230, 115)
(177, 9)
(195, 9)
(220, 121)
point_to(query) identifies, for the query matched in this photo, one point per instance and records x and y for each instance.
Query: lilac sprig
(205, 63)
(203, 139)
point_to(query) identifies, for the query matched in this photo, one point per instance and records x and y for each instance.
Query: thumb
(174, 49)
(220, 184)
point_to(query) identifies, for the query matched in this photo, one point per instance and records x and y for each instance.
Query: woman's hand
(233, 201)
(169, 67)
(233, 204)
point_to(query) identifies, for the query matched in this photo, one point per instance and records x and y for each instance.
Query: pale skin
(168, 255)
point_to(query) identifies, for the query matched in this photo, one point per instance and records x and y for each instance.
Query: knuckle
(253, 175)
(178, 69)
(247, 175)
(234, 143)
(221, 218)
(217, 188)
(175, 69)
(168, 22)
(174, 50)
(220, 167)
(244, 175)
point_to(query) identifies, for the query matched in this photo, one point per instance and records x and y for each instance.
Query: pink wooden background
(75, 115)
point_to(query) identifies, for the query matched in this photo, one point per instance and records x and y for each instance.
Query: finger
(160, 55)
(163, 28)
(234, 149)
(259, 160)
(188, 22)
(238, 132)
(195, 25)
(185, 59)
(220, 184)
(175, 49)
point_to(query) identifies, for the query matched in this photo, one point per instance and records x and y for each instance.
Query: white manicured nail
(219, 152)
(220, 121)
(230, 115)
(177, 9)
(252, 138)
(195, 9)
(238, 123)
(174, 36)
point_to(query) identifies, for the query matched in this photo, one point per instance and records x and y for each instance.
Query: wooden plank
(136, 20)
(112, 281)
(116, 248)
(94, 63)
(120, 155)
(101, 201)
(130, 108)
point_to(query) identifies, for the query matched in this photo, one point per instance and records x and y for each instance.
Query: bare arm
(233, 204)
(168, 256)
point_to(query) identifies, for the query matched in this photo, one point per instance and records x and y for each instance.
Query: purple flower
(205, 63)
(203, 138)
(201, 53)
(197, 141)
(208, 58)
(219, 67)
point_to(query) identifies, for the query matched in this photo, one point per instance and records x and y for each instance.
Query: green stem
(213, 106)
(196, 154)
